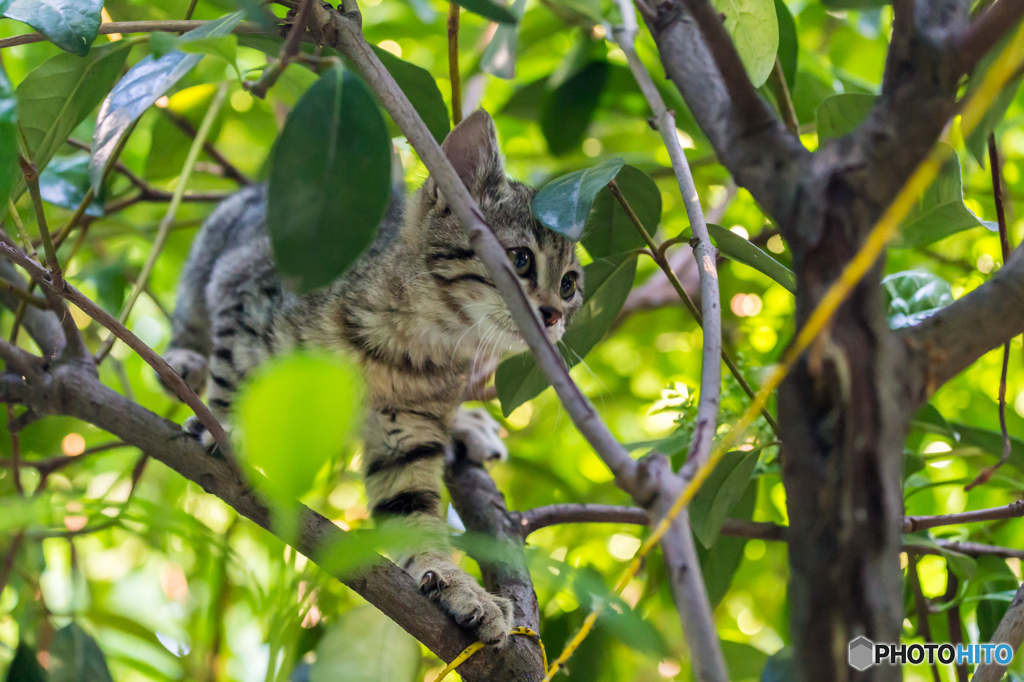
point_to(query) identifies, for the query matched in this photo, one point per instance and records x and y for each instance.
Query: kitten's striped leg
(404, 461)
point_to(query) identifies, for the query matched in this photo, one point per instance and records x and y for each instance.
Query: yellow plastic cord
(477, 646)
(1001, 70)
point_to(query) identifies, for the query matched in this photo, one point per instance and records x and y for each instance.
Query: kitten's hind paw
(481, 435)
(194, 428)
(486, 615)
(189, 365)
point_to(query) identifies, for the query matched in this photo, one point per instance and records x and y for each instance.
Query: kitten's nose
(550, 314)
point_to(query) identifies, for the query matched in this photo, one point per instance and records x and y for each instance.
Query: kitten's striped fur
(419, 312)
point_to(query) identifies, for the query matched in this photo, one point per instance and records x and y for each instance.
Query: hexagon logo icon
(862, 653)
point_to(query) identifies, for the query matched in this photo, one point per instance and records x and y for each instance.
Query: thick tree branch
(1009, 631)
(972, 43)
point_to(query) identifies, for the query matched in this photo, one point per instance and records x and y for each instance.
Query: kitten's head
(545, 261)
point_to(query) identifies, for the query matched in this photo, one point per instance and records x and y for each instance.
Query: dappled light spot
(73, 444)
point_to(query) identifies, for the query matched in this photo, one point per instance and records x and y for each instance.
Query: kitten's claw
(481, 435)
(430, 583)
(487, 615)
(194, 428)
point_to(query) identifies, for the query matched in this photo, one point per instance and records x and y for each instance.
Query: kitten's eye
(568, 288)
(522, 260)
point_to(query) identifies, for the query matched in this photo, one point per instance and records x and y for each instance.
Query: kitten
(418, 310)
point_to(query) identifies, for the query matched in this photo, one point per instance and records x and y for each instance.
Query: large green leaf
(143, 85)
(65, 182)
(991, 442)
(9, 171)
(564, 204)
(364, 645)
(745, 662)
(499, 58)
(76, 657)
(57, 96)
(755, 31)
(977, 141)
(569, 108)
(734, 247)
(913, 296)
(841, 114)
(720, 494)
(330, 181)
(789, 47)
(718, 563)
(609, 230)
(71, 25)
(421, 89)
(607, 283)
(490, 9)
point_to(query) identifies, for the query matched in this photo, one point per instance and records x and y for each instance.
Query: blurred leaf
(789, 46)
(564, 204)
(745, 662)
(718, 563)
(734, 247)
(841, 114)
(755, 31)
(527, 101)
(994, 584)
(609, 231)
(499, 58)
(991, 442)
(914, 296)
(276, 407)
(9, 170)
(364, 645)
(591, 659)
(621, 621)
(607, 283)
(257, 12)
(977, 141)
(929, 419)
(76, 657)
(962, 565)
(809, 91)
(569, 108)
(24, 667)
(490, 9)
(720, 493)
(223, 47)
(169, 147)
(780, 667)
(940, 212)
(59, 94)
(141, 87)
(105, 619)
(854, 4)
(333, 159)
(65, 182)
(71, 25)
(421, 89)
(110, 280)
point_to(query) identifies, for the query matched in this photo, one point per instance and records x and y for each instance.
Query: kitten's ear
(472, 147)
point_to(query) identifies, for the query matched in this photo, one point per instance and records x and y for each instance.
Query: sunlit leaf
(494, 10)
(71, 25)
(977, 141)
(75, 657)
(570, 107)
(962, 565)
(736, 248)
(499, 58)
(564, 204)
(141, 87)
(720, 493)
(364, 645)
(65, 182)
(9, 170)
(755, 31)
(914, 296)
(330, 181)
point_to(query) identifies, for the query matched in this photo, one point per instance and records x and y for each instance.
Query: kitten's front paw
(481, 435)
(195, 428)
(487, 615)
(190, 366)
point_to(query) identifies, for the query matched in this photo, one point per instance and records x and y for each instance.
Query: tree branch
(972, 43)
(1009, 631)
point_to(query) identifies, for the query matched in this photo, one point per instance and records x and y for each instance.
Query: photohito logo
(864, 653)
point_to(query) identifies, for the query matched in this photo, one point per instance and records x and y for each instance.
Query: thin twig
(28, 169)
(289, 50)
(1014, 510)
(777, 82)
(453, 62)
(22, 294)
(23, 234)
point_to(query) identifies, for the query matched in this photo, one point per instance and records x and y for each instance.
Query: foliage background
(173, 586)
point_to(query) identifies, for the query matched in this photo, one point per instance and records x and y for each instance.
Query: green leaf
(977, 141)
(57, 96)
(735, 247)
(569, 108)
(780, 667)
(841, 114)
(940, 212)
(499, 58)
(223, 47)
(143, 85)
(169, 147)
(364, 645)
(854, 4)
(333, 160)
(720, 493)
(627, 626)
(913, 296)
(606, 284)
(789, 47)
(719, 563)
(990, 441)
(421, 89)
(996, 585)
(745, 662)
(276, 408)
(931, 420)
(591, 659)
(9, 170)
(755, 31)
(962, 565)
(25, 667)
(71, 25)
(609, 230)
(65, 182)
(564, 204)
(489, 9)
(76, 657)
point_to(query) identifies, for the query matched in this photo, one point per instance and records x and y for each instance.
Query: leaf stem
(453, 62)
(777, 82)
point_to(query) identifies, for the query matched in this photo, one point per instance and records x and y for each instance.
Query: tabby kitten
(419, 312)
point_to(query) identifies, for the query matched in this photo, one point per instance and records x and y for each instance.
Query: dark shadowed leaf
(607, 283)
(720, 493)
(76, 657)
(977, 141)
(564, 204)
(9, 171)
(990, 441)
(745, 662)
(755, 31)
(779, 667)
(499, 59)
(840, 114)
(144, 84)
(913, 296)
(734, 247)
(364, 645)
(931, 420)
(591, 659)
(71, 25)
(609, 230)
(421, 89)
(58, 95)
(170, 145)
(24, 667)
(570, 107)
(719, 563)
(527, 102)
(490, 9)
(65, 182)
(330, 181)
(788, 46)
